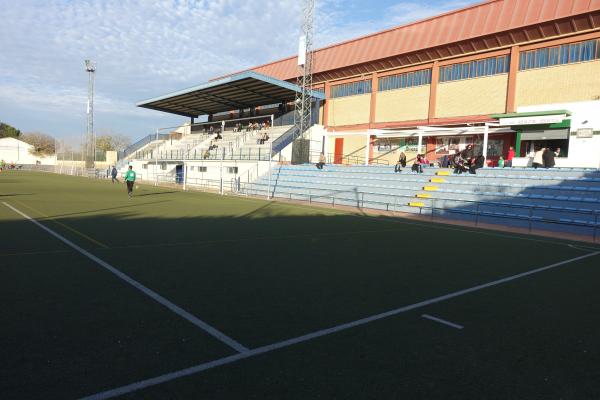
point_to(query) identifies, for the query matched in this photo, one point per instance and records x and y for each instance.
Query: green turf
(263, 272)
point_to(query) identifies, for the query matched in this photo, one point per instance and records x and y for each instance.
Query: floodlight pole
(302, 102)
(90, 67)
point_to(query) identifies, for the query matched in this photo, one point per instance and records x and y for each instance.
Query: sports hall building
(521, 73)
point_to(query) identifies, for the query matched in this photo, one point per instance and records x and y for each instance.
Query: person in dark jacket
(548, 158)
(476, 164)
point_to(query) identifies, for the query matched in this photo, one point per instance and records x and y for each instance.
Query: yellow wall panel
(478, 96)
(349, 110)
(402, 104)
(354, 146)
(560, 84)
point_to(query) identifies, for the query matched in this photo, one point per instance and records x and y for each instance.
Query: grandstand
(525, 79)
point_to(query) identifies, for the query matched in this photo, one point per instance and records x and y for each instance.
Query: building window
(475, 69)
(232, 170)
(145, 166)
(202, 169)
(557, 55)
(406, 80)
(351, 89)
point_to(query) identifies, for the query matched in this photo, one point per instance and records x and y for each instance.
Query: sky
(147, 48)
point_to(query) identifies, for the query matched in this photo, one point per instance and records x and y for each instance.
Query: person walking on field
(130, 180)
(113, 174)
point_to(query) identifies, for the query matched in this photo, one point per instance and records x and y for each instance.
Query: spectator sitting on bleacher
(206, 154)
(459, 164)
(417, 165)
(401, 162)
(476, 163)
(321, 162)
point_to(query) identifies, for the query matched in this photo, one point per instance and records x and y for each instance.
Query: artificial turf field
(268, 280)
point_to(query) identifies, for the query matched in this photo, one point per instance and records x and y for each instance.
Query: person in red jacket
(509, 157)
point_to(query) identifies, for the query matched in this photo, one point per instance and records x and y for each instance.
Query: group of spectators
(544, 157)
(466, 161)
(252, 126)
(417, 166)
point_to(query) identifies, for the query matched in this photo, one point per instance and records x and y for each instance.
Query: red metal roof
(476, 21)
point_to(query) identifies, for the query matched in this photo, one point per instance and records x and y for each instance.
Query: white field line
(148, 292)
(304, 338)
(442, 321)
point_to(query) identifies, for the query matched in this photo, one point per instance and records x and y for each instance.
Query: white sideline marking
(148, 292)
(304, 338)
(442, 321)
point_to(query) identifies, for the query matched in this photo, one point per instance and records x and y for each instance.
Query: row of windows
(351, 89)
(565, 54)
(540, 58)
(406, 80)
(475, 69)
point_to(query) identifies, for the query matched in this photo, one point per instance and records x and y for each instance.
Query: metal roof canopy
(240, 91)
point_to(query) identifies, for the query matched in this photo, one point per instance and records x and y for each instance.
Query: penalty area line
(147, 291)
(317, 334)
(442, 321)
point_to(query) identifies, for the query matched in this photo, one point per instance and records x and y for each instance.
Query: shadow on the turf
(155, 193)
(106, 209)
(16, 194)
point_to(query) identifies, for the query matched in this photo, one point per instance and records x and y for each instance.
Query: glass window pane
(464, 73)
(522, 58)
(597, 49)
(480, 68)
(500, 65)
(575, 53)
(530, 59)
(564, 54)
(542, 58)
(473, 69)
(448, 73)
(456, 72)
(553, 59)
(589, 50)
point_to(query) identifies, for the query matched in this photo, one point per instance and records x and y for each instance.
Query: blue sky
(145, 48)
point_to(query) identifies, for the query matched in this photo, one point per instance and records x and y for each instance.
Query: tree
(43, 144)
(112, 142)
(8, 131)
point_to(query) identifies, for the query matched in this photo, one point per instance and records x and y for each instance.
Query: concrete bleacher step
(514, 198)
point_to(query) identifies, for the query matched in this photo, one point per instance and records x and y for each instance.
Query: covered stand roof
(244, 90)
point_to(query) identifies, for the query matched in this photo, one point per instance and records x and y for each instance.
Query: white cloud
(144, 48)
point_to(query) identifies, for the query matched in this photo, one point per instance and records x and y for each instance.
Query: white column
(184, 175)
(367, 149)
(486, 132)
(420, 143)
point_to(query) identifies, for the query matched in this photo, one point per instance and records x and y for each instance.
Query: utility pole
(302, 103)
(90, 158)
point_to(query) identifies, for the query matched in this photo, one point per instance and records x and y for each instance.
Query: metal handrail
(475, 202)
(250, 189)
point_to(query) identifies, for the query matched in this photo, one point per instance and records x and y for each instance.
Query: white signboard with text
(536, 120)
